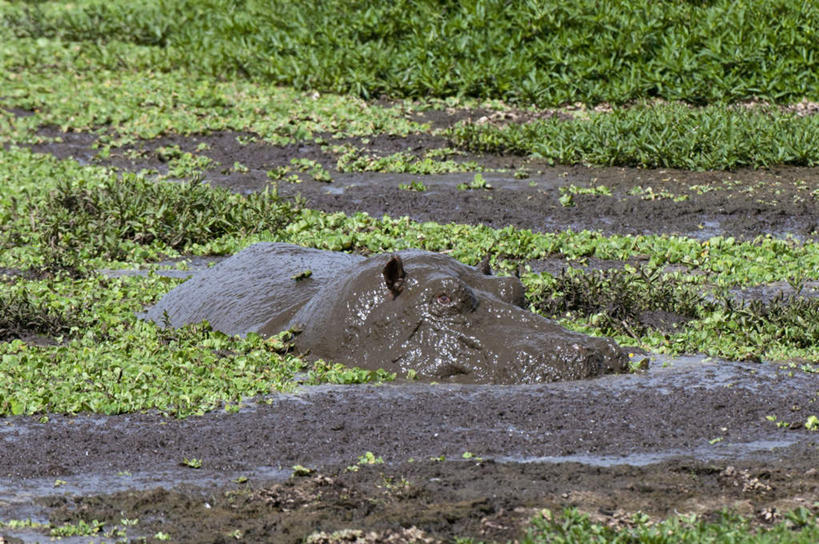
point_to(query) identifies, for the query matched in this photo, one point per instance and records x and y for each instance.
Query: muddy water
(744, 204)
(682, 408)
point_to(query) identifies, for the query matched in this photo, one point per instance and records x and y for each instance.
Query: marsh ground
(688, 435)
(743, 204)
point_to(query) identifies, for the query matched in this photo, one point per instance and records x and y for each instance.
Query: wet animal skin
(412, 311)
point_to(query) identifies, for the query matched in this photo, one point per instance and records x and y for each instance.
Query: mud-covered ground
(688, 435)
(744, 204)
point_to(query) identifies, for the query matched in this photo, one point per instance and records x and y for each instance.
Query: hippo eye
(444, 299)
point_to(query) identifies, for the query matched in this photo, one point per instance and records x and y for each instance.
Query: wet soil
(743, 204)
(689, 435)
(686, 436)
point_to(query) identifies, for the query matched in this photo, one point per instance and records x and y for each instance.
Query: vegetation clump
(620, 301)
(77, 222)
(663, 310)
(587, 51)
(657, 136)
(22, 315)
(798, 527)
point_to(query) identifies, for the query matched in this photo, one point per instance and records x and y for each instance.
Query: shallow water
(711, 452)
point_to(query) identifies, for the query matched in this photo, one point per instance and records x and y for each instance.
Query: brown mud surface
(688, 435)
(743, 204)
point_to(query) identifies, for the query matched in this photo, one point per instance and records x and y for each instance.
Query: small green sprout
(369, 458)
(193, 462)
(478, 182)
(301, 470)
(413, 186)
(302, 275)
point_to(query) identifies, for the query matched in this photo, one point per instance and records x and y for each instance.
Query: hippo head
(427, 313)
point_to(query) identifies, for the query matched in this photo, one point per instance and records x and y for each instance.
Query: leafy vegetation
(799, 527)
(664, 310)
(354, 160)
(588, 51)
(22, 314)
(144, 69)
(97, 220)
(112, 220)
(652, 136)
(70, 87)
(478, 182)
(115, 363)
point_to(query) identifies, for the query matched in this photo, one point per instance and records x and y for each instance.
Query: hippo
(415, 313)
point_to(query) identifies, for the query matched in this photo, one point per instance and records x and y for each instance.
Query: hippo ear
(484, 267)
(394, 275)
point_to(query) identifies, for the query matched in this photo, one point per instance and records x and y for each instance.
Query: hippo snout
(556, 356)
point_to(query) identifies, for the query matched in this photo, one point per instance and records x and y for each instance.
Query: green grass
(657, 136)
(124, 90)
(588, 51)
(799, 527)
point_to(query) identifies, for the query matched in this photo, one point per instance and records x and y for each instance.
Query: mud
(688, 435)
(413, 313)
(743, 204)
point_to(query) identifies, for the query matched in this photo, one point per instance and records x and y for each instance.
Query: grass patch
(660, 311)
(126, 90)
(79, 217)
(115, 363)
(799, 527)
(76, 222)
(68, 86)
(587, 51)
(22, 314)
(354, 160)
(657, 136)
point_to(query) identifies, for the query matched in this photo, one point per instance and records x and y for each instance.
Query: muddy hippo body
(414, 311)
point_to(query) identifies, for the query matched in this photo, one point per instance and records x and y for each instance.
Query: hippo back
(257, 286)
